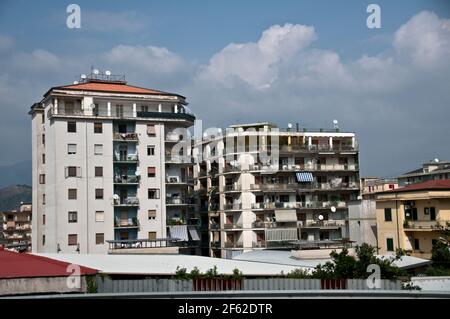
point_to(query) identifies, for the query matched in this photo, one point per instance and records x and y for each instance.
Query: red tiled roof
(428, 185)
(16, 265)
(110, 87)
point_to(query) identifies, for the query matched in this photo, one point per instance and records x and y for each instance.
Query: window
(43, 158)
(43, 219)
(41, 178)
(416, 244)
(431, 211)
(72, 193)
(99, 238)
(43, 240)
(73, 217)
(43, 139)
(73, 171)
(387, 214)
(150, 150)
(151, 130)
(151, 171)
(72, 239)
(71, 127)
(99, 216)
(151, 214)
(98, 149)
(152, 235)
(153, 193)
(98, 129)
(119, 110)
(43, 199)
(389, 244)
(98, 171)
(99, 193)
(144, 108)
(71, 149)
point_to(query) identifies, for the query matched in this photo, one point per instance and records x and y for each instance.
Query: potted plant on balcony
(405, 224)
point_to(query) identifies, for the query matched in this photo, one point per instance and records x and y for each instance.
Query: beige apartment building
(264, 187)
(413, 217)
(108, 167)
(16, 228)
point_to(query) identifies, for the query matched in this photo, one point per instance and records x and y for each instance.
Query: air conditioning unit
(174, 179)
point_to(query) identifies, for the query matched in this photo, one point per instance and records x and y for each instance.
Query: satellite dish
(333, 209)
(137, 173)
(436, 160)
(205, 135)
(83, 76)
(219, 130)
(95, 71)
(108, 73)
(290, 125)
(75, 82)
(320, 217)
(335, 123)
(115, 196)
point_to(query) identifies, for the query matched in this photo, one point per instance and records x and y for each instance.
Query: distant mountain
(15, 174)
(12, 196)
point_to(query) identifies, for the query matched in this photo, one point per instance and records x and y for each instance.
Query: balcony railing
(127, 179)
(126, 158)
(232, 226)
(319, 147)
(126, 201)
(307, 167)
(426, 225)
(259, 244)
(260, 224)
(178, 159)
(125, 137)
(232, 206)
(234, 244)
(298, 205)
(179, 201)
(232, 188)
(126, 223)
(324, 223)
(307, 186)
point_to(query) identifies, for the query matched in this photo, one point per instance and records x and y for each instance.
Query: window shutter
(78, 171)
(151, 129)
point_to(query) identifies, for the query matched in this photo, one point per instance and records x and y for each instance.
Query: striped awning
(288, 215)
(179, 232)
(194, 233)
(304, 177)
(281, 234)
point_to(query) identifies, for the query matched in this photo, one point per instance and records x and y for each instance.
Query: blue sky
(305, 61)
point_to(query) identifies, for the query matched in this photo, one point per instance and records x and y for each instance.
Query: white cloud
(256, 63)
(6, 43)
(37, 60)
(425, 39)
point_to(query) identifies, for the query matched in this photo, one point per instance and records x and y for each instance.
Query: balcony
(177, 180)
(259, 244)
(126, 201)
(126, 158)
(126, 179)
(172, 138)
(232, 226)
(126, 223)
(232, 188)
(215, 244)
(234, 244)
(125, 137)
(179, 201)
(317, 148)
(324, 224)
(425, 225)
(167, 115)
(261, 224)
(178, 159)
(298, 205)
(307, 167)
(232, 206)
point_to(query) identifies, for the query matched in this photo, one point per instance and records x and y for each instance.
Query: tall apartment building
(103, 168)
(432, 170)
(16, 228)
(264, 187)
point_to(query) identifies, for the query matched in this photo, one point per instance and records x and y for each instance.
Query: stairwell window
(387, 214)
(73, 217)
(72, 171)
(99, 193)
(151, 214)
(389, 244)
(153, 193)
(98, 171)
(41, 178)
(72, 193)
(151, 130)
(150, 150)
(98, 128)
(71, 127)
(151, 171)
(72, 239)
(99, 216)
(99, 238)
(71, 149)
(98, 149)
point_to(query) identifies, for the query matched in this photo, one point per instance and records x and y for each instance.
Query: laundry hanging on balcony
(193, 233)
(303, 177)
(179, 232)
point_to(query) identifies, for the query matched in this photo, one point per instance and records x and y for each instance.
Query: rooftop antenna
(335, 124)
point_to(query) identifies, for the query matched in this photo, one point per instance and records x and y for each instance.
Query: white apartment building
(264, 187)
(103, 170)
